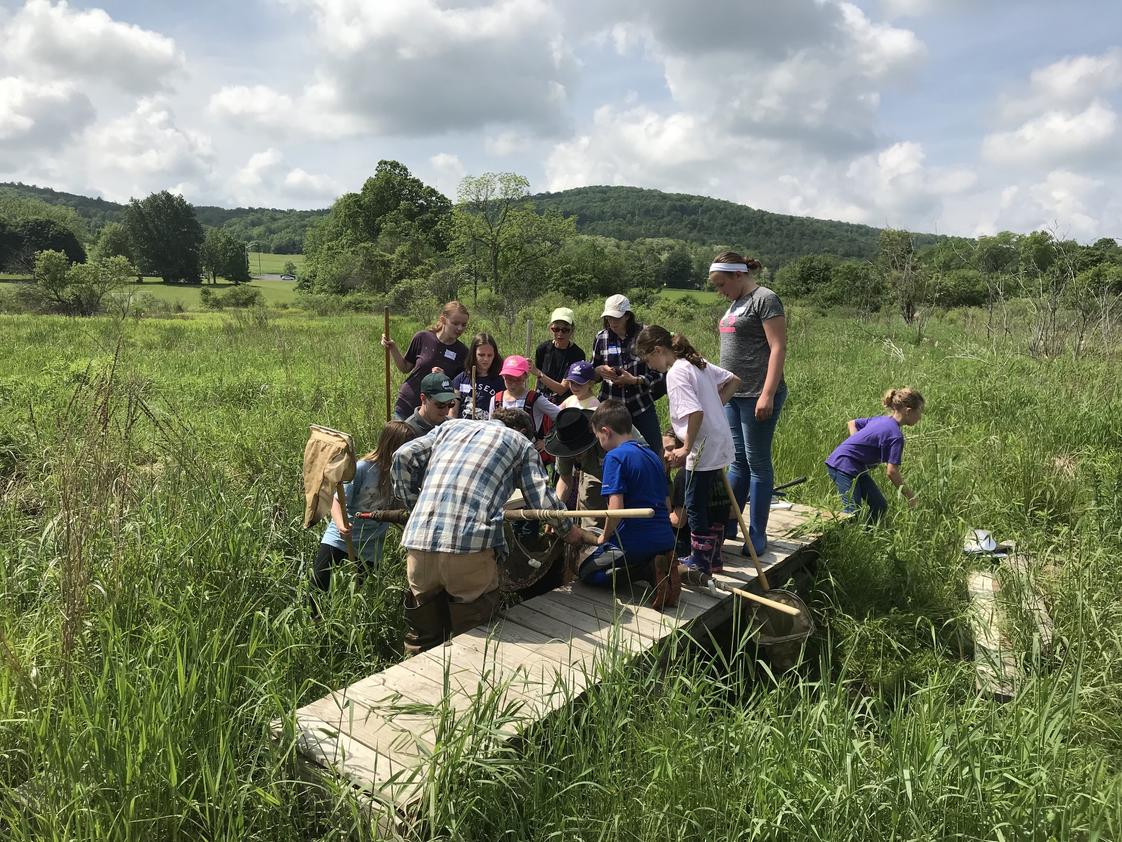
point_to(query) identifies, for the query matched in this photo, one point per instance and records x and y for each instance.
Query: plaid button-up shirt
(609, 349)
(456, 479)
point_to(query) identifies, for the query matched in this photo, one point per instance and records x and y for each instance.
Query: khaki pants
(463, 576)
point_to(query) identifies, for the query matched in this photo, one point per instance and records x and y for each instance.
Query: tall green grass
(153, 622)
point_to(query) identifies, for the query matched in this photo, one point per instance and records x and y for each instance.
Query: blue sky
(936, 115)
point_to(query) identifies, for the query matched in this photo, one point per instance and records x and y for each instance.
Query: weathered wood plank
(995, 663)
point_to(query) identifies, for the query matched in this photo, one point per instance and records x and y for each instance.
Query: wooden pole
(402, 515)
(386, 329)
(744, 528)
(473, 392)
(763, 600)
(342, 495)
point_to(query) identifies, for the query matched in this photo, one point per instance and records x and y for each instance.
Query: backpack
(528, 408)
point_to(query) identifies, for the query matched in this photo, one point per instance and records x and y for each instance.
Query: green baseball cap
(437, 387)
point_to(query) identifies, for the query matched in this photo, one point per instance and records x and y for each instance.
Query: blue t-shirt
(637, 472)
(485, 390)
(367, 535)
(877, 440)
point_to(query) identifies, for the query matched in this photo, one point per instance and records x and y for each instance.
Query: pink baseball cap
(515, 366)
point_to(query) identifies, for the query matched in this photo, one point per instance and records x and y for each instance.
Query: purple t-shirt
(877, 440)
(426, 352)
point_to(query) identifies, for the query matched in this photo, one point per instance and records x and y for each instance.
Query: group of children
(695, 502)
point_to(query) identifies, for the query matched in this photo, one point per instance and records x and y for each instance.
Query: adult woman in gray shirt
(753, 335)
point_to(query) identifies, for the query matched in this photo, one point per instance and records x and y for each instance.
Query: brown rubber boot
(465, 616)
(426, 621)
(668, 582)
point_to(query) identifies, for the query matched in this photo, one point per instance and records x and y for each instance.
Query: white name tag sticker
(450, 354)
(465, 387)
(613, 349)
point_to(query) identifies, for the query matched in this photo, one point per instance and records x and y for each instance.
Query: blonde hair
(448, 311)
(904, 398)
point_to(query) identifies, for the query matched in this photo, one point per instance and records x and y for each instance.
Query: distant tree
(33, 235)
(676, 271)
(113, 241)
(9, 244)
(501, 240)
(805, 277)
(289, 268)
(89, 283)
(902, 272)
(49, 273)
(166, 237)
(225, 255)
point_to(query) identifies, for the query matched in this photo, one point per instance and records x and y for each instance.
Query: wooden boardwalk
(380, 733)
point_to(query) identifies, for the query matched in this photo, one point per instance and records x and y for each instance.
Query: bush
(239, 296)
(324, 304)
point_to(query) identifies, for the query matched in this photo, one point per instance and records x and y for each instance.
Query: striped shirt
(609, 349)
(456, 480)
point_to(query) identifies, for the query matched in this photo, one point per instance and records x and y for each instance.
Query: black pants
(327, 557)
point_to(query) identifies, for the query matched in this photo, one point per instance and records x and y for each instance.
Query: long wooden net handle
(402, 515)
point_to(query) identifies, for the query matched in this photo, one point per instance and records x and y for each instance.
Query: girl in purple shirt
(872, 441)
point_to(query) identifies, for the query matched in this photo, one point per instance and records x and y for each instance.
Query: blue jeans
(751, 468)
(609, 561)
(699, 488)
(646, 425)
(857, 490)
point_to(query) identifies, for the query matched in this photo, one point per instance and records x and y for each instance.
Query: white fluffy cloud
(1056, 137)
(449, 171)
(426, 67)
(268, 179)
(53, 40)
(38, 116)
(145, 151)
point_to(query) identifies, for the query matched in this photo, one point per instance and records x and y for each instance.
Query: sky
(948, 116)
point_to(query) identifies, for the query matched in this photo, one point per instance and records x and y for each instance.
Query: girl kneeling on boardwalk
(369, 490)
(872, 441)
(697, 391)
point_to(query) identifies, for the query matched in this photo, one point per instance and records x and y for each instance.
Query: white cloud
(427, 67)
(1057, 137)
(267, 179)
(145, 151)
(38, 116)
(804, 71)
(450, 171)
(58, 42)
(1065, 85)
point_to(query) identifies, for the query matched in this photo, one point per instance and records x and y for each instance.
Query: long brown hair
(483, 339)
(656, 336)
(394, 434)
(448, 311)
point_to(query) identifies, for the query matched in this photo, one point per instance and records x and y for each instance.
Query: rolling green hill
(624, 213)
(629, 213)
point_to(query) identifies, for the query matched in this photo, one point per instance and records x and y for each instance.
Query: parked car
(288, 277)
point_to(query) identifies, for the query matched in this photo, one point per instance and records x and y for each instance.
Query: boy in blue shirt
(633, 477)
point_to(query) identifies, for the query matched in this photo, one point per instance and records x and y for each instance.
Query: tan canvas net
(329, 459)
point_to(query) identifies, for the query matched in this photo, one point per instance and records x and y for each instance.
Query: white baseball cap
(562, 314)
(616, 306)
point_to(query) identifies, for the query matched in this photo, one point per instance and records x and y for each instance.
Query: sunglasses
(560, 329)
(443, 405)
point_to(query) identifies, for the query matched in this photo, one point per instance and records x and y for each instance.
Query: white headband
(728, 267)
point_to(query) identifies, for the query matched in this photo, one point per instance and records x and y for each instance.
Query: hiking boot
(465, 616)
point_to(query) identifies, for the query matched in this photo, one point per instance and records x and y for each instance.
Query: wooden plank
(535, 658)
(1020, 569)
(995, 664)
(386, 780)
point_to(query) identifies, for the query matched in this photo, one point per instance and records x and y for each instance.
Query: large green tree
(113, 241)
(501, 240)
(225, 255)
(403, 220)
(27, 237)
(166, 237)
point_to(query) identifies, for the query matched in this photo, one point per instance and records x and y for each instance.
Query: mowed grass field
(266, 263)
(153, 619)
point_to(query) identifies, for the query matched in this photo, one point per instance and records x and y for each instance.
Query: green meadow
(153, 592)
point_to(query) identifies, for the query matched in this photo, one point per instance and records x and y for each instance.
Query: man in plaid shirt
(456, 480)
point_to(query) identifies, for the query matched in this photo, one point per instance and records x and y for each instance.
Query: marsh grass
(153, 620)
